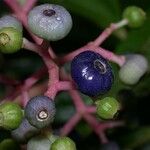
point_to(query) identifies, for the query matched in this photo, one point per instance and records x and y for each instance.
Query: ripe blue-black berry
(50, 22)
(92, 73)
(40, 111)
(24, 131)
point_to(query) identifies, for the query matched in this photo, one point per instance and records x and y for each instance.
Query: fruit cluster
(91, 74)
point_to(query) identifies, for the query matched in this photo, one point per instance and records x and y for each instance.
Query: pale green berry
(50, 22)
(10, 115)
(10, 40)
(107, 108)
(63, 143)
(135, 16)
(10, 21)
(39, 143)
(133, 69)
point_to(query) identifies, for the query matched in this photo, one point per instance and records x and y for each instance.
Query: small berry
(24, 131)
(10, 21)
(63, 143)
(135, 16)
(8, 144)
(110, 146)
(92, 73)
(10, 115)
(39, 143)
(10, 40)
(50, 22)
(107, 107)
(133, 69)
(40, 111)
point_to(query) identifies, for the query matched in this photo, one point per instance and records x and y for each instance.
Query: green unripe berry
(63, 143)
(10, 21)
(135, 16)
(133, 69)
(10, 115)
(8, 144)
(10, 40)
(107, 107)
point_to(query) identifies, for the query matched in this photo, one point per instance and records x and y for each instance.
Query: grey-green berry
(10, 115)
(40, 111)
(133, 69)
(49, 21)
(10, 40)
(63, 143)
(39, 143)
(10, 21)
(135, 16)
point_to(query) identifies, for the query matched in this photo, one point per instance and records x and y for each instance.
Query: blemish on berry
(49, 12)
(100, 66)
(42, 115)
(4, 39)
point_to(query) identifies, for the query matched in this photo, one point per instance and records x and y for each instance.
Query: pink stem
(108, 31)
(91, 109)
(25, 98)
(53, 69)
(29, 4)
(8, 80)
(28, 83)
(103, 52)
(66, 129)
(65, 85)
(79, 104)
(95, 126)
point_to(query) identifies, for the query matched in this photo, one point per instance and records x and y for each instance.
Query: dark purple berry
(92, 73)
(24, 131)
(40, 111)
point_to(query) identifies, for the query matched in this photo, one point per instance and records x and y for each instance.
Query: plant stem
(29, 4)
(68, 127)
(108, 31)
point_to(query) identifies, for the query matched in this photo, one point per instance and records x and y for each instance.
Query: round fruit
(135, 16)
(10, 21)
(63, 143)
(92, 73)
(10, 40)
(24, 131)
(39, 143)
(8, 144)
(133, 69)
(40, 111)
(50, 22)
(10, 115)
(107, 107)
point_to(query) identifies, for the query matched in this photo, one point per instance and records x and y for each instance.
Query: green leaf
(101, 12)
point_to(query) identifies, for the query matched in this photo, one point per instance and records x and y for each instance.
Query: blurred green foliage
(90, 17)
